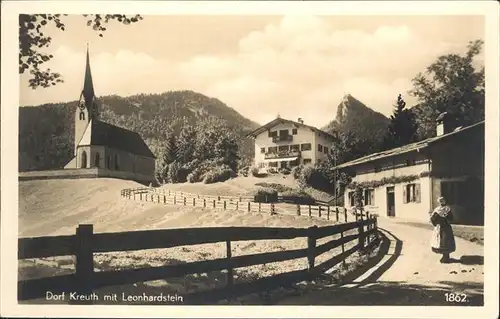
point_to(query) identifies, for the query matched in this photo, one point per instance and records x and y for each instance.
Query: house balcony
(282, 154)
(285, 138)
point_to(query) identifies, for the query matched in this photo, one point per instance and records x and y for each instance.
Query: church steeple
(88, 93)
(88, 86)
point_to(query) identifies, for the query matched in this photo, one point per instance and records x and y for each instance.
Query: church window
(82, 116)
(97, 160)
(117, 166)
(84, 160)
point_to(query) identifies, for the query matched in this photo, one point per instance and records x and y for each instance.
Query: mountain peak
(355, 117)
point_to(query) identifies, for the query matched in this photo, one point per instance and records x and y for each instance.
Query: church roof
(105, 134)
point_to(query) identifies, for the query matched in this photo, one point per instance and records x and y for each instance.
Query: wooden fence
(238, 203)
(85, 243)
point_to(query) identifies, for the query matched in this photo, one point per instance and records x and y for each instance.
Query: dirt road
(409, 273)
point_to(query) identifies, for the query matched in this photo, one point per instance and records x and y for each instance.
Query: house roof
(407, 148)
(280, 120)
(105, 134)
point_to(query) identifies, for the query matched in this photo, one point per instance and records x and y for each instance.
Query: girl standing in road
(443, 240)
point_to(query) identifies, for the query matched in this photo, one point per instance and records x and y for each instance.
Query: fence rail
(237, 203)
(85, 243)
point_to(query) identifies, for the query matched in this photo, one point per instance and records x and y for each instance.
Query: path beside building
(409, 273)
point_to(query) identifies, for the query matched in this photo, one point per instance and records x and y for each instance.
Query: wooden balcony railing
(282, 154)
(285, 138)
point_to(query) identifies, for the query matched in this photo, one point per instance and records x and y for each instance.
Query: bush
(298, 197)
(218, 174)
(196, 175)
(312, 176)
(284, 171)
(266, 195)
(244, 171)
(255, 172)
(278, 187)
(272, 170)
(176, 173)
(296, 171)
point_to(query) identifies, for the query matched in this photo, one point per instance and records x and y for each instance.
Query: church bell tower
(87, 108)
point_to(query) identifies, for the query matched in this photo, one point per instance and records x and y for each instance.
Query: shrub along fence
(238, 203)
(85, 243)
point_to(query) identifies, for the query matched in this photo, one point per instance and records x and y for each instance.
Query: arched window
(97, 160)
(84, 160)
(117, 165)
(108, 162)
(82, 116)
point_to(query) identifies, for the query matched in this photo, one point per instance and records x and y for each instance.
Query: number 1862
(451, 297)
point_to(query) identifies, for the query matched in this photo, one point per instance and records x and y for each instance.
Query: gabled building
(405, 182)
(112, 150)
(284, 143)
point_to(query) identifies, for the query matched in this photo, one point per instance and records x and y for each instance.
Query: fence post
(328, 213)
(194, 201)
(361, 236)
(239, 199)
(319, 211)
(218, 198)
(272, 209)
(311, 248)
(345, 214)
(204, 202)
(84, 268)
(158, 198)
(224, 205)
(184, 201)
(140, 197)
(259, 207)
(214, 203)
(229, 266)
(248, 206)
(237, 205)
(310, 213)
(336, 213)
(343, 248)
(298, 210)
(175, 200)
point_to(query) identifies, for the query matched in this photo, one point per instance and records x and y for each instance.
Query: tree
(450, 84)
(186, 144)
(32, 39)
(168, 156)
(226, 148)
(402, 129)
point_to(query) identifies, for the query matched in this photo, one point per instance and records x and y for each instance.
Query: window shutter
(372, 195)
(417, 192)
(404, 195)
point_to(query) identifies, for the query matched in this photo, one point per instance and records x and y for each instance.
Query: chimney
(300, 120)
(444, 124)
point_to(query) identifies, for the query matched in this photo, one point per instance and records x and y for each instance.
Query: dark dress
(443, 240)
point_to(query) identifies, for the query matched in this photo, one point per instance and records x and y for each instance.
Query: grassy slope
(243, 186)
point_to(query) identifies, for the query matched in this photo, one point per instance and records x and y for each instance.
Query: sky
(295, 66)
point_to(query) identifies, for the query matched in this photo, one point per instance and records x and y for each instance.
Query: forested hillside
(46, 132)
